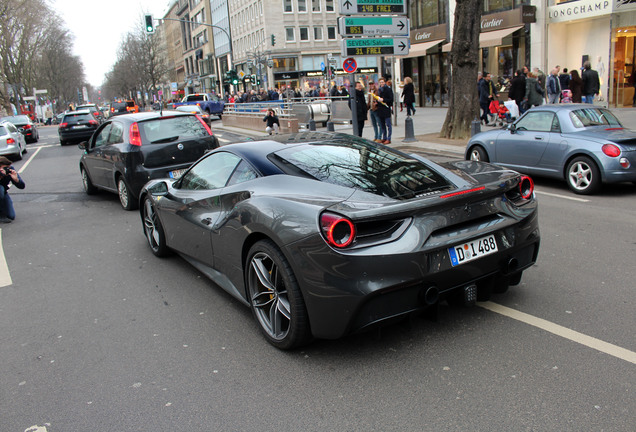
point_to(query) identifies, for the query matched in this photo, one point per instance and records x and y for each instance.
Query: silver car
(12, 142)
(583, 144)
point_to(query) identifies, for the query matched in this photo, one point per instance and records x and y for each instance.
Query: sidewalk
(427, 122)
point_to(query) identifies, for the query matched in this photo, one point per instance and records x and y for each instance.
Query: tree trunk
(464, 99)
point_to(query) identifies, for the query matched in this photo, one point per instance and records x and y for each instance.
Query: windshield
(585, 117)
(363, 166)
(17, 119)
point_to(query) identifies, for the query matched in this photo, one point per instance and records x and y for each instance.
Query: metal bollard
(409, 133)
(312, 125)
(330, 127)
(475, 127)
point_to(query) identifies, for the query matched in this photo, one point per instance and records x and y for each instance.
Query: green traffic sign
(375, 46)
(354, 7)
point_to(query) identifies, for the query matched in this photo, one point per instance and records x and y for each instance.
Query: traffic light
(150, 26)
(233, 77)
(273, 39)
(253, 79)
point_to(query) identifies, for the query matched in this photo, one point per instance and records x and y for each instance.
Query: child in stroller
(498, 114)
(566, 96)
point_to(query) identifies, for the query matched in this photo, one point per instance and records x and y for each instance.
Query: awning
(488, 39)
(494, 38)
(417, 50)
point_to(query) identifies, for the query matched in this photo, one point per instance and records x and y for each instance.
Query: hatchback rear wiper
(165, 140)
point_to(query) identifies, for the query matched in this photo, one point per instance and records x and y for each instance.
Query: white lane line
(571, 198)
(26, 164)
(564, 332)
(5, 276)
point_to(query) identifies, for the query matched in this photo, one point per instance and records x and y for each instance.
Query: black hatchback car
(129, 150)
(25, 125)
(76, 126)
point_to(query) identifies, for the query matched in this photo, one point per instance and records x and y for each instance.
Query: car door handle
(538, 137)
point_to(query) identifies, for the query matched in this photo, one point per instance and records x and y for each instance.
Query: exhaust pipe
(512, 265)
(431, 295)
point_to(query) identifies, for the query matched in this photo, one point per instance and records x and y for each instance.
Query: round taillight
(526, 187)
(611, 150)
(338, 230)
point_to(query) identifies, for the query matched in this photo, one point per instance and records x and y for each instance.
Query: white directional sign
(369, 7)
(373, 26)
(375, 46)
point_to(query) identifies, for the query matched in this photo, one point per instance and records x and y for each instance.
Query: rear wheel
(89, 188)
(583, 176)
(154, 230)
(275, 297)
(125, 196)
(478, 153)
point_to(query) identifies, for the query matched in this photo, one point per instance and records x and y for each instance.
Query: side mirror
(83, 145)
(512, 128)
(159, 189)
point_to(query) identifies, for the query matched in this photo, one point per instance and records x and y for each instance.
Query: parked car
(26, 127)
(94, 109)
(76, 126)
(129, 150)
(324, 234)
(195, 109)
(12, 142)
(581, 144)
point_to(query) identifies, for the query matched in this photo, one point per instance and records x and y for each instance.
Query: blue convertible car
(583, 144)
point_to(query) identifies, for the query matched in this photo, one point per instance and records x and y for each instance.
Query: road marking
(564, 332)
(562, 196)
(26, 164)
(5, 276)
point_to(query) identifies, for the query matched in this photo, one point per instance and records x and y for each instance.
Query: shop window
(304, 33)
(289, 34)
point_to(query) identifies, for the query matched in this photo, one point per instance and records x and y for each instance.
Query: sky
(99, 26)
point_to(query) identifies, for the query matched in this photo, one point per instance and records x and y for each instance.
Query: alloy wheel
(580, 175)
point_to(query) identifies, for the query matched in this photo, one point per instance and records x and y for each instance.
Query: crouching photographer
(8, 175)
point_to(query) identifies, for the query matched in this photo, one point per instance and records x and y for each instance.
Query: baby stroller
(498, 114)
(566, 96)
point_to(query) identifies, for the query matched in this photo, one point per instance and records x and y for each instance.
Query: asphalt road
(100, 335)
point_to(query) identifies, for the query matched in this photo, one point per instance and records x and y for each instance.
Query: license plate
(79, 127)
(176, 173)
(471, 250)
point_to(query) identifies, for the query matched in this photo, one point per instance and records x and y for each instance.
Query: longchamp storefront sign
(579, 10)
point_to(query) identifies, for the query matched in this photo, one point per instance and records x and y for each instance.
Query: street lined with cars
(97, 317)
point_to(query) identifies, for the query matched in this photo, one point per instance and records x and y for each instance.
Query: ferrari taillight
(338, 230)
(526, 187)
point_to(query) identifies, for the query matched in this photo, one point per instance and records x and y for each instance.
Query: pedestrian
(576, 87)
(534, 92)
(372, 105)
(564, 79)
(591, 83)
(385, 104)
(361, 106)
(48, 115)
(518, 89)
(271, 122)
(408, 95)
(553, 87)
(487, 94)
(8, 175)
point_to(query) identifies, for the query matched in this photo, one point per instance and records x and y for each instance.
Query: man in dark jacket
(385, 105)
(591, 83)
(487, 93)
(361, 106)
(518, 88)
(8, 175)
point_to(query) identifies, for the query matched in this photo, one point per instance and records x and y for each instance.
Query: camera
(7, 170)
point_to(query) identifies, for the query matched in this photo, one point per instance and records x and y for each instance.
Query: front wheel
(154, 230)
(478, 153)
(583, 176)
(275, 297)
(125, 196)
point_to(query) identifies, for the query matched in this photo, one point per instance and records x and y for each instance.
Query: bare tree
(463, 104)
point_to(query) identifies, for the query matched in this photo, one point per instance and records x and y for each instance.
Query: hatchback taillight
(135, 136)
(93, 122)
(10, 141)
(205, 125)
(26, 127)
(63, 125)
(338, 230)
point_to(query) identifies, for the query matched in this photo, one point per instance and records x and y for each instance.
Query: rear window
(196, 98)
(593, 117)
(75, 118)
(168, 129)
(17, 119)
(361, 165)
(130, 104)
(118, 105)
